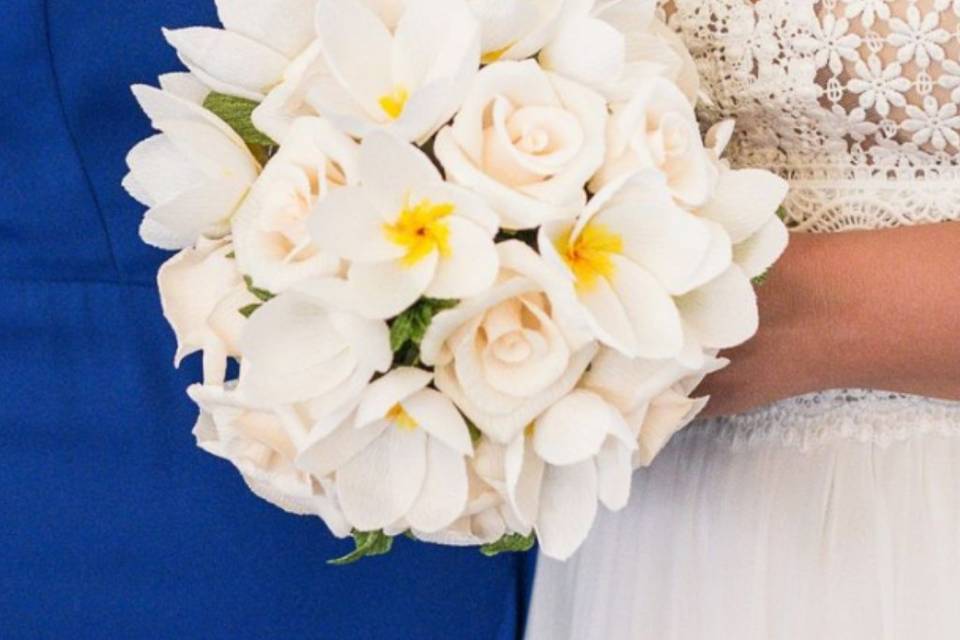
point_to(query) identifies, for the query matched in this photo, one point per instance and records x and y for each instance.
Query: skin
(861, 309)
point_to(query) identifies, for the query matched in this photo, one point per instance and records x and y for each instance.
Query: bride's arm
(867, 309)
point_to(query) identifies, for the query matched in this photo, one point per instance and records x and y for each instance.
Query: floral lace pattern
(855, 102)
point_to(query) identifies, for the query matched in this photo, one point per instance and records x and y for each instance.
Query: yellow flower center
(492, 56)
(399, 416)
(590, 255)
(394, 102)
(530, 430)
(421, 229)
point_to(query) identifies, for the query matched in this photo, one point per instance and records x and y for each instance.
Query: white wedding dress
(834, 515)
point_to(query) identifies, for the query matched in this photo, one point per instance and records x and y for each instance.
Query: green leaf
(526, 236)
(236, 113)
(510, 543)
(367, 543)
(760, 280)
(261, 294)
(408, 328)
(475, 433)
(782, 213)
(248, 310)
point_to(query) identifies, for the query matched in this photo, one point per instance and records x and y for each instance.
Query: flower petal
(381, 483)
(723, 313)
(573, 429)
(523, 471)
(745, 200)
(568, 506)
(470, 268)
(384, 289)
(285, 25)
(328, 454)
(382, 394)
(614, 474)
(436, 415)
(758, 252)
(346, 223)
(652, 313)
(444, 493)
(390, 169)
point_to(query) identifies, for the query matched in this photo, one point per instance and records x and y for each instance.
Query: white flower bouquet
(472, 257)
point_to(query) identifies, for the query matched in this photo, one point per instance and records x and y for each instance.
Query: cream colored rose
(527, 141)
(201, 292)
(270, 234)
(264, 448)
(657, 129)
(506, 355)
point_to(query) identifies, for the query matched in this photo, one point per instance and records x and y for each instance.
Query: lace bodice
(853, 101)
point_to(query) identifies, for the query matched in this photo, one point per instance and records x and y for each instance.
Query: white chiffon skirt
(834, 516)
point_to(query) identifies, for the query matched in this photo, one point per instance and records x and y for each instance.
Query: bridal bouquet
(471, 257)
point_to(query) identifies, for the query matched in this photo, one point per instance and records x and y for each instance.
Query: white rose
(657, 129)
(201, 293)
(651, 395)
(579, 451)
(408, 81)
(615, 44)
(264, 449)
(527, 141)
(194, 174)
(296, 350)
(398, 459)
(507, 354)
(249, 55)
(270, 234)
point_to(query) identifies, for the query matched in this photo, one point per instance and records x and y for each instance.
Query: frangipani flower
(270, 233)
(516, 29)
(291, 97)
(611, 45)
(194, 174)
(296, 350)
(631, 251)
(577, 452)
(264, 450)
(657, 129)
(249, 55)
(651, 395)
(201, 291)
(527, 141)
(409, 81)
(405, 232)
(507, 354)
(400, 456)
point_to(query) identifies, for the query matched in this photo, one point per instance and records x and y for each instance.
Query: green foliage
(510, 543)
(760, 279)
(366, 543)
(408, 328)
(248, 310)
(526, 236)
(475, 433)
(260, 294)
(236, 113)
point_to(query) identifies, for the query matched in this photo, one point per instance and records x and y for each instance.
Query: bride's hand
(870, 309)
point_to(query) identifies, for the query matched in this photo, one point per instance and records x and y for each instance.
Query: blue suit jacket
(112, 523)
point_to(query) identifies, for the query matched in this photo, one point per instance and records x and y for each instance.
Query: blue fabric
(112, 523)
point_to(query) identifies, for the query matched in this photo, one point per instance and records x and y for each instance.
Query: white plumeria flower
(577, 452)
(264, 450)
(201, 292)
(390, 11)
(657, 129)
(270, 234)
(879, 86)
(405, 232)
(630, 251)
(291, 98)
(918, 39)
(409, 81)
(526, 141)
(651, 395)
(507, 354)
(610, 45)
(934, 124)
(517, 29)
(296, 350)
(249, 55)
(398, 458)
(194, 174)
